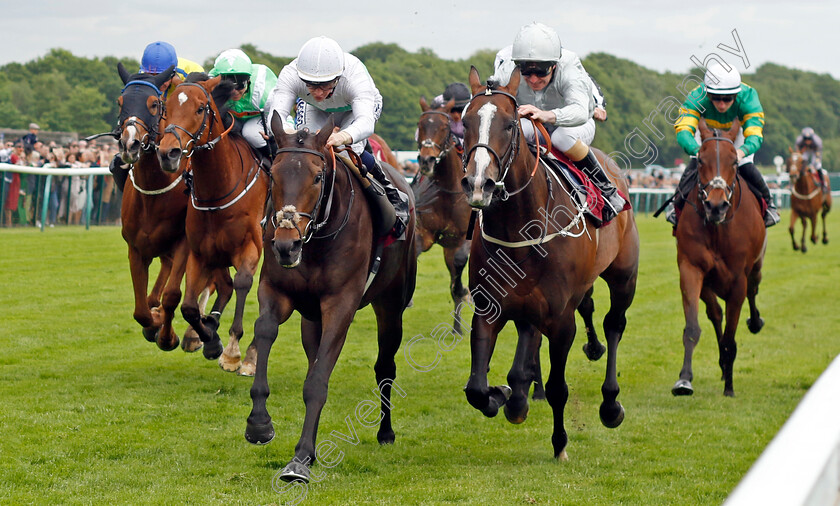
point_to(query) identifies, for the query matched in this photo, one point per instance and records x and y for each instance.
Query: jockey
(722, 98)
(324, 80)
(252, 84)
(810, 145)
(461, 93)
(157, 57)
(556, 90)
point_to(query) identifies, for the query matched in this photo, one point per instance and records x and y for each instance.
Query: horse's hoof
(562, 456)
(229, 364)
(386, 437)
(295, 471)
(593, 353)
(191, 345)
(259, 434)
(213, 349)
(516, 416)
(150, 333)
(609, 420)
(755, 325)
(167, 346)
(247, 369)
(825, 241)
(682, 387)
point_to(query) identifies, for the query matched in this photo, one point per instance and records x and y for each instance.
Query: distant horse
(320, 231)
(154, 208)
(536, 283)
(227, 196)
(443, 214)
(721, 241)
(382, 151)
(806, 199)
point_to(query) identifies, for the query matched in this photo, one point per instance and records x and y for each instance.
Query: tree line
(64, 92)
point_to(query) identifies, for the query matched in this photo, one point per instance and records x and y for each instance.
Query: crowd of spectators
(23, 194)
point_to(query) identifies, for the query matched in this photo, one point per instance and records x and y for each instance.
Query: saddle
(589, 197)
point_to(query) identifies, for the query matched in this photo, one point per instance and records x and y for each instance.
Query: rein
(717, 182)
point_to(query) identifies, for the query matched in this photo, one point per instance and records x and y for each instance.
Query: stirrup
(771, 217)
(671, 215)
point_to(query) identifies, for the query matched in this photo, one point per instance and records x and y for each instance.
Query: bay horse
(721, 240)
(545, 279)
(154, 208)
(227, 196)
(807, 199)
(320, 232)
(443, 214)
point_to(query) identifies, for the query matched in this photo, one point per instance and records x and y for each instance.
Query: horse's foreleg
(586, 309)
(167, 339)
(521, 373)
(556, 389)
(337, 313)
(482, 342)
(197, 279)
(456, 259)
(792, 227)
(274, 310)
(825, 208)
(804, 220)
(813, 219)
(389, 325)
(139, 268)
(727, 347)
(160, 282)
(755, 322)
(691, 281)
(242, 284)
(622, 285)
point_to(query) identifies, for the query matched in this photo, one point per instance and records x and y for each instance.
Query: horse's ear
(211, 84)
(424, 106)
(732, 134)
(124, 75)
(475, 81)
(176, 80)
(704, 129)
(513, 84)
(277, 125)
(325, 131)
(164, 76)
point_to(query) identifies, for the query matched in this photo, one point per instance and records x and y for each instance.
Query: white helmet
(536, 42)
(320, 60)
(720, 81)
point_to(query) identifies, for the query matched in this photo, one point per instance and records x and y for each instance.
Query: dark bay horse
(154, 208)
(536, 283)
(227, 197)
(721, 241)
(320, 232)
(807, 200)
(443, 214)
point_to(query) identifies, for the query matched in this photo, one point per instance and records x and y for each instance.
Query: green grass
(92, 413)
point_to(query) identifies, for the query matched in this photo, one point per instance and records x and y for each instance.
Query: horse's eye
(319, 177)
(200, 110)
(509, 127)
(154, 108)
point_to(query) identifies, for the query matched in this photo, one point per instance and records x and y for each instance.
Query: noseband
(510, 153)
(717, 182)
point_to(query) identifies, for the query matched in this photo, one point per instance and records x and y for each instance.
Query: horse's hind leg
(556, 389)
(592, 347)
(389, 336)
(713, 312)
(242, 282)
(622, 284)
(727, 347)
(197, 279)
(804, 220)
(167, 339)
(139, 267)
(456, 259)
(824, 211)
(792, 228)
(813, 219)
(755, 322)
(521, 373)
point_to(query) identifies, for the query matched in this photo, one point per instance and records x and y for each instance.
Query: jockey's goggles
(536, 68)
(721, 98)
(240, 81)
(327, 85)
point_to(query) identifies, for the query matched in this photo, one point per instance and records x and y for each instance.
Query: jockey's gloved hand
(340, 138)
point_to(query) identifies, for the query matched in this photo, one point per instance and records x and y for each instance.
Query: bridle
(193, 145)
(448, 142)
(717, 182)
(289, 217)
(147, 142)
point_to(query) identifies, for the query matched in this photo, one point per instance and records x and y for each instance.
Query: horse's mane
(221, 94)
(425, 193)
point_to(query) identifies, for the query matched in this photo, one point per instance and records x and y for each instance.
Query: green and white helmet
(536, 42)
(321, 59)
(720, 81)
(232, 61)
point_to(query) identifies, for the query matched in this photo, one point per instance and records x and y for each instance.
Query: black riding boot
(396, 200)
(613, 202)
(751, 174)
(119, 170)
(687, 182)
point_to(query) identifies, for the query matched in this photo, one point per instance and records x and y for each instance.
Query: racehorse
(536, 283)
(721, 241)
(325, 253)
(806, 199)
(443, 214)
(154, 207)
(381, 150)
(227, 196)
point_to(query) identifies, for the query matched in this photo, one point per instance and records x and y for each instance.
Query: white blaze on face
(131, 130)
(482, 157)
(182, 97)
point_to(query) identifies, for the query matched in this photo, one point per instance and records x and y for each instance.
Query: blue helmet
(158, 57)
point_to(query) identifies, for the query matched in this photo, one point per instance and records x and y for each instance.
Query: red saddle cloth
(376, 148)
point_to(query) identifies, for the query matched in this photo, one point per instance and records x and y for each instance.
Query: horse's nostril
(467, 184)
(489, 186)
(174, 154)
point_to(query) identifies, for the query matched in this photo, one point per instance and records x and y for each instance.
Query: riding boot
(687, 181)
(119, 170)
(823, 183)
(751, 174)
(397, 200)
(614, 202)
